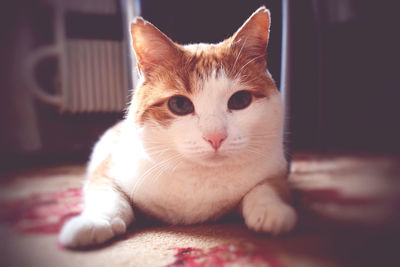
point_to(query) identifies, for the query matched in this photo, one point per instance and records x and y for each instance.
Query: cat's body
(202, 137)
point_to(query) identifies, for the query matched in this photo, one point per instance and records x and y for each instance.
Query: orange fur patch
(171, 69)
(193, 68)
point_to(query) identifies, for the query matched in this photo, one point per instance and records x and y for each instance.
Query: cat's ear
(252, 37)
(152, 47)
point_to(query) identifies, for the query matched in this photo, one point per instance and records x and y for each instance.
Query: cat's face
(206, 103)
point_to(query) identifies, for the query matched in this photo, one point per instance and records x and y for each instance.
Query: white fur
(264, 211)
(175, 175)
(105, 215)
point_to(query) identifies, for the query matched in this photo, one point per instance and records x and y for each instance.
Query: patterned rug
(348, 207)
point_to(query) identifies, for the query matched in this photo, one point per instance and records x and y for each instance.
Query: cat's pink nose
(215, 138)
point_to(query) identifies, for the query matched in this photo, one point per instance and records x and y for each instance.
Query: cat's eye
(180, 105)
(240, 100)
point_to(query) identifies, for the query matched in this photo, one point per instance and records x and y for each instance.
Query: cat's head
(207, 103)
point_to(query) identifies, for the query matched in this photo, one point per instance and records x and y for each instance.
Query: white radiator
(96, 76)
(94, 73)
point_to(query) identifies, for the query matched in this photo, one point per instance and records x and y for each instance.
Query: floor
(348, 206)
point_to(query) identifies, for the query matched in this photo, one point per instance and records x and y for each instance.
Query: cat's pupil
(180, 105)
(239, 100)
(180, 102)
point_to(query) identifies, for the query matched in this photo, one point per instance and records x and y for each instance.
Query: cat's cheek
(263, 118)
(184, 136)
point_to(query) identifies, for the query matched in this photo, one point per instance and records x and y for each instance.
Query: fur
(165, 164)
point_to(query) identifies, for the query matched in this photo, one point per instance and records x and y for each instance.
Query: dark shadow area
(344, 86)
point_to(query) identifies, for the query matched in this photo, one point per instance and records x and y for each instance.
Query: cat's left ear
(152, 47)
(252, 37)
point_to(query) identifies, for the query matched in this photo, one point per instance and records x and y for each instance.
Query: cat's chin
(211, 159)
(216, 157)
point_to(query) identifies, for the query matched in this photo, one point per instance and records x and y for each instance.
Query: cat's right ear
(253, 36)
(152, 47)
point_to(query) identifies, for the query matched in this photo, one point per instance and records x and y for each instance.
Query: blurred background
(67, 70)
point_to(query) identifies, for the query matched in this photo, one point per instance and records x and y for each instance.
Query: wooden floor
(348, 207)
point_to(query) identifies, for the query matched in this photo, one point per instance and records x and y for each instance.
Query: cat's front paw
(84, 231)
(274, 218)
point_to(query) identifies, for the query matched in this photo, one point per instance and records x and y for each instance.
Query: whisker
(240, 51)
(158, 148)
(158, 152)
(163, 168)
(176, 166)
(256, 152)
(251, 60)
(263, 135)
(161, 164)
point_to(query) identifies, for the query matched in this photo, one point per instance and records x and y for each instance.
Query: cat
(202, 137)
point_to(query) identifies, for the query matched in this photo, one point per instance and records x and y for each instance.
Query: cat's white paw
(274, 218)
(84, 231)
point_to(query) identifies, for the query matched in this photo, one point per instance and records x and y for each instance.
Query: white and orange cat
(202, 137)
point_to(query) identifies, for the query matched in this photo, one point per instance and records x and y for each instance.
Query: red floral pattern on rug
(46, 212)
(318, 184)
(237, 255)
(42, 213)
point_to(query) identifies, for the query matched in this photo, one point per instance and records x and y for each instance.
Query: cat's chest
(190, 196)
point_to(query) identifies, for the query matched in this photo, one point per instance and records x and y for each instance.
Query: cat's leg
(264, 208)
(107, 213)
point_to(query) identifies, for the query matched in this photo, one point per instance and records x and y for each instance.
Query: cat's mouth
(209, 157)
(215, 158)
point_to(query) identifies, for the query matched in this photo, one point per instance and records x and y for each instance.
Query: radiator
(94, 61)
(96, 77)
